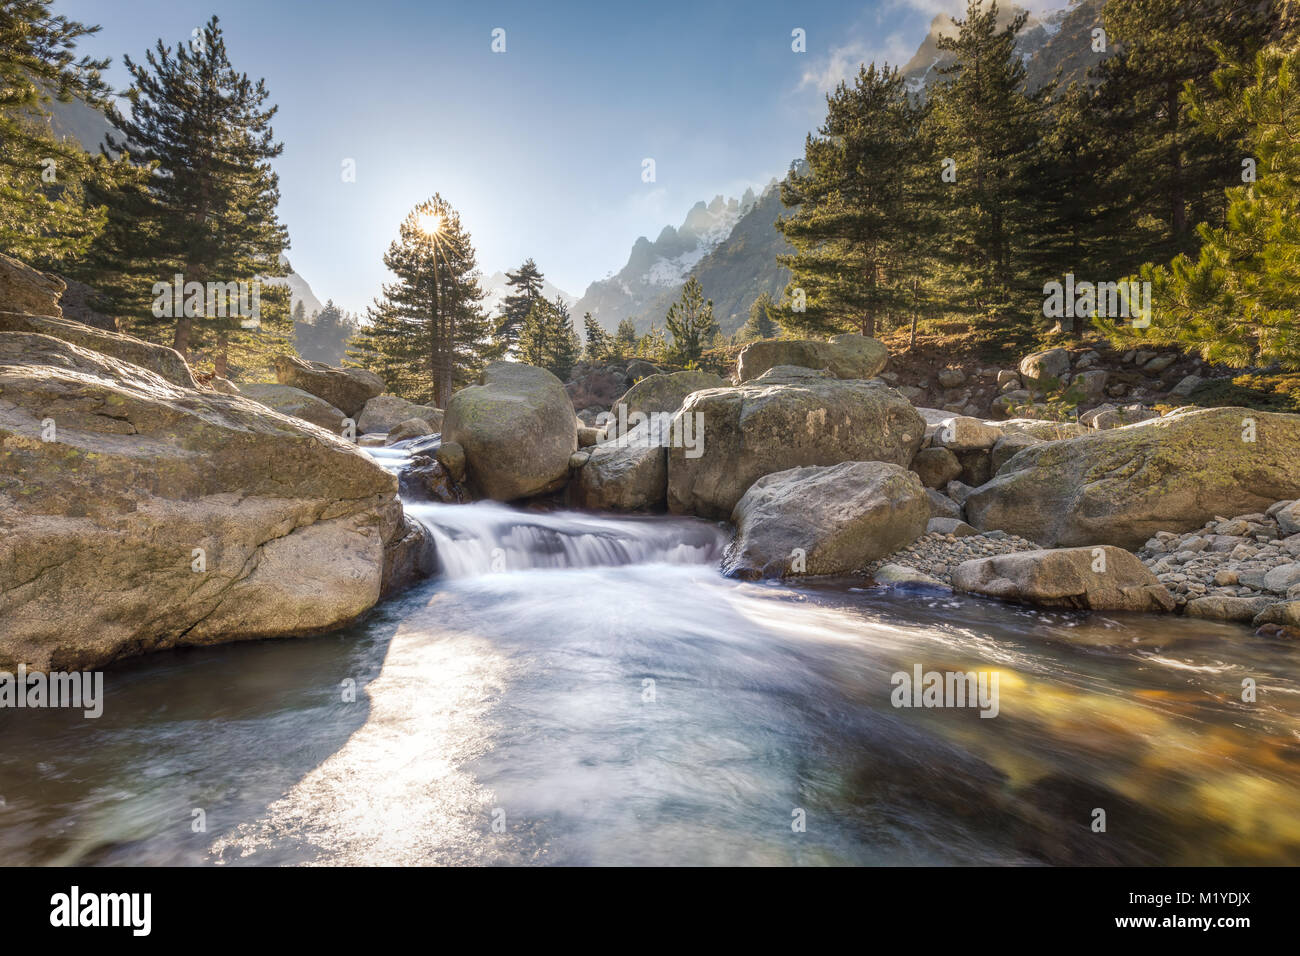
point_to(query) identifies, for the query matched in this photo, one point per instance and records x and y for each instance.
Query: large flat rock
(139, 515)
(1122, 485)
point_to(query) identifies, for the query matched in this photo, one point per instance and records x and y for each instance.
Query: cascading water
(586, 689)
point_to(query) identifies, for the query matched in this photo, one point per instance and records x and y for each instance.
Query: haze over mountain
(497, 287)
(737, 267)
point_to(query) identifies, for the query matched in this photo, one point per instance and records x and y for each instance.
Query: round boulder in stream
(517, 429)
(825, 520)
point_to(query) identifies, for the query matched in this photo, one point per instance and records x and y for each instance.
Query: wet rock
(1102, 578)
(624, 474)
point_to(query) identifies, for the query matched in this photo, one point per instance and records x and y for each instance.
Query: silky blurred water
(581, 689)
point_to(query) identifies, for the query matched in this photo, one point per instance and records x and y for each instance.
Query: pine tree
(252, 349)
(527, 283)
(986, 131)
(1072, 221)
(547, 338)
(653, 346)
(427, 334)
(1237, 302)
(690, 322)
(759, 324)
(48, 215)
(625, 339)
(853, 230)
(1171, 172)
(211, 207)
(600, 345)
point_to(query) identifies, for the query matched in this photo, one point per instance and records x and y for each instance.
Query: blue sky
(540, 148)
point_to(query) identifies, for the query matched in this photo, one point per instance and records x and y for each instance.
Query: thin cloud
(843, 61)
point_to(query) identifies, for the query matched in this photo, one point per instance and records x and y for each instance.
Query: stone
(1123, 485)
(383, 413)
(624, 474)
(787, 417)
(163, 516)
(825, 519)
(951, 378)
(952, 526)
(1186, 385)
(28, 291)
(1092, 384)
(1288, 518)
(1007, 377)
(1282, 578)
(1007, 447)
(941, 506)
(959, 492)
(900, 575)
(451, 456)
(427, 479)
(1216, 607)
(845, 356)
(1160, 362)
(517, 429)
(1283, 612)
(159, 359)
(347, 389)
(959, 433)
(936, 467)
(288, 400)
(1049, 363)
(658, 395)
(411, 428)
(1103, 578)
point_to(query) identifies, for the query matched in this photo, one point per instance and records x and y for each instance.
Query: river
(584, 689)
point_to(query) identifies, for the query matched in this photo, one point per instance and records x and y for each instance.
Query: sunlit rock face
(844, 356)
(347, 389)
(139, 515)
(785, 418)
(1099, 579)
(517, 429)
(1123, 485)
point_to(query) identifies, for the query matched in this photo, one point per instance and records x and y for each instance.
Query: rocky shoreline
(146, 508)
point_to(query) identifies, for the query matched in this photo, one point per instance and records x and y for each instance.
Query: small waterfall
(487, 536)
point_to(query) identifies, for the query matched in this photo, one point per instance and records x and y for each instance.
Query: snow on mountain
(664, 264)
